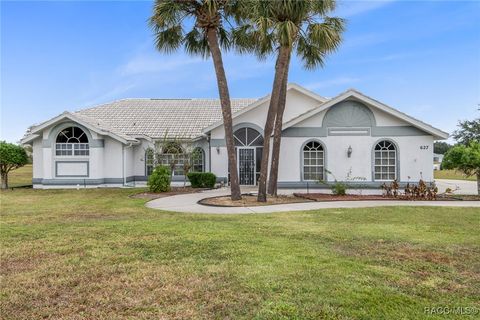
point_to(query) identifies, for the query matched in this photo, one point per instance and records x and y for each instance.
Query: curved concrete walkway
(187, 203)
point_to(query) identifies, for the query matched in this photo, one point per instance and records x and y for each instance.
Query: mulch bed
(347, 197)
(360, 197)
(173, 192)
(250, 200)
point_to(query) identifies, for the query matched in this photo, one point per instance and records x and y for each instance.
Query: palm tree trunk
(281, 64)
(226, 111)
(277, 134)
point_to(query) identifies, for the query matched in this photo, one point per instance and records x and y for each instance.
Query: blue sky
(422, 58)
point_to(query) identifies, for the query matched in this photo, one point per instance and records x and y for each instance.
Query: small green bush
(159, 180)
(202, 179)
(339, 188)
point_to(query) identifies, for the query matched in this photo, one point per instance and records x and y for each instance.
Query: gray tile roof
(178, 118)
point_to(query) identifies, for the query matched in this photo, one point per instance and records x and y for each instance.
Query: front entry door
(246, 166)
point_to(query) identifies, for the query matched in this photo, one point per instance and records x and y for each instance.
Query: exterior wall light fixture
(218, 150)
(349, 151)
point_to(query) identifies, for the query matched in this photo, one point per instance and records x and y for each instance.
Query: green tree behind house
(12, 156)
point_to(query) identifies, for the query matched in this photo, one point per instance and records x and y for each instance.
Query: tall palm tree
(206, 34)
(285, 26)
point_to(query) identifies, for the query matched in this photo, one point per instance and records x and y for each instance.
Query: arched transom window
(385, 167)
(248, 137)
(72, 141)
(249, 147)
(313, 161)
(173, 156)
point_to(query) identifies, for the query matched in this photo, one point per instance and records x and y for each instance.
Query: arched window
(198, 159)
(72, 141)
(385, 167)
(173, 157)
(248, 137)
(313, 161)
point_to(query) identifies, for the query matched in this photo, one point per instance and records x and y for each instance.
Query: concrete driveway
(187, 203)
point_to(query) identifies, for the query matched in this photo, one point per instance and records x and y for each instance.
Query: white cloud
(349, 9)
(151, 63)
(340, 81)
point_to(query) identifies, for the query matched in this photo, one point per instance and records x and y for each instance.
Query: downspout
(123, 165)
(209, 153)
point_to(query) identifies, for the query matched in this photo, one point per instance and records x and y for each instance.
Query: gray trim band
(305, 132)
(397, 131)
(383, 131)
(78, 181)
(59, 182)
(328, 185)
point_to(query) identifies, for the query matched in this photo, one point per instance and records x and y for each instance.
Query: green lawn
(20, 177)
(99, 254)
(452, 175)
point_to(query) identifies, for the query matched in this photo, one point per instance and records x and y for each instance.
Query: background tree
(206, 34)
(465, 159)
(12, 156)
(441, 147)
(469, 130)
(283, 27)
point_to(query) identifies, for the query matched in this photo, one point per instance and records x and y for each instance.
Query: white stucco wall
(37, 158)
(113, 159)
(296, 104)
(219, 161)
(138, 157)
(414, 163)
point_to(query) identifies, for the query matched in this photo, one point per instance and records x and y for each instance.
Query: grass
(20, 177)
(452, 175)
(99, 254)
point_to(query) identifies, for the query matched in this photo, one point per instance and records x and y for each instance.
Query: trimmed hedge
(202, 179)
(159, 180)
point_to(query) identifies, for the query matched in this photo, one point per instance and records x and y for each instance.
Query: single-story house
(350, 137)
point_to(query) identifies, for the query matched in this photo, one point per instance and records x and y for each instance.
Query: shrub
(12, 156)
(339, 188)
(159, 180)
(202, 179)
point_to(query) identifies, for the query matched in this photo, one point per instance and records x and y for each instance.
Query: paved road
(187, 203)
(458, 186)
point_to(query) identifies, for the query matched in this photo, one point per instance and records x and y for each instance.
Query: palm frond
(328, 34)
(169, 39)
(196, 43)
(310, 53)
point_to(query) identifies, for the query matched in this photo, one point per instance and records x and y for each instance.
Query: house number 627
(423, 147)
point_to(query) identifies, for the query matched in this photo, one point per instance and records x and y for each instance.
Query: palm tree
(284, 26)
(206, 34)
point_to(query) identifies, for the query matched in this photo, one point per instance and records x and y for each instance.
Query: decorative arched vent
(349, 114)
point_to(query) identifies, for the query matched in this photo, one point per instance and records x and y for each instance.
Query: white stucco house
(350, 137)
